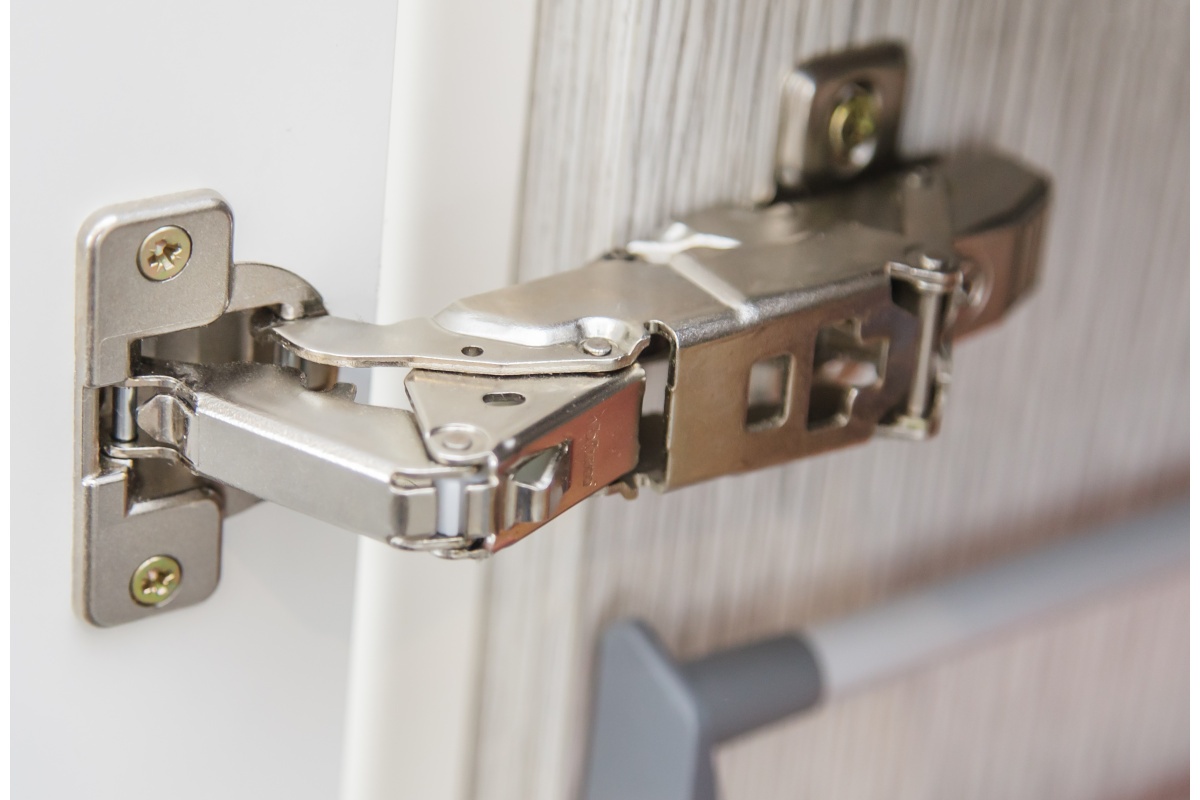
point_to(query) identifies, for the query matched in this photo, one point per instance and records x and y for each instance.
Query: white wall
(283, 107)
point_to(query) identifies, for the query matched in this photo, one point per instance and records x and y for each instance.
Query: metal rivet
(596, 346)
(457, 438)
(854, 126)
(156, 580)
(919, 177)
(977, 285)
(934, 260)
(164, 253)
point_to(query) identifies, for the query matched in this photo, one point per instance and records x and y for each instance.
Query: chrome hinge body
(736, 339)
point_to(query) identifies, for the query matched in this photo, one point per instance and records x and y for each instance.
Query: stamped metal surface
(889, 259)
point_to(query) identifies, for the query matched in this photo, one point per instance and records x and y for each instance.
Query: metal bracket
(736, 339)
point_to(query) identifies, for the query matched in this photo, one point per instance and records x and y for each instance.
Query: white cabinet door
(283, 108)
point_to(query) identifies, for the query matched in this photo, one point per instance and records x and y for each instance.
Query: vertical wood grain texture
(1073, 411)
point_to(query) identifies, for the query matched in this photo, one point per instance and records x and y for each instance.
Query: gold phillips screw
(854, 126)
(156, 580)
(164, 253)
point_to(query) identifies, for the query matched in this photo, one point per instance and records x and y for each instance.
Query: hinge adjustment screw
(854, 126)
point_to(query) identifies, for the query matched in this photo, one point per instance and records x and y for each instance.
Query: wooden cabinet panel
(1073, 411)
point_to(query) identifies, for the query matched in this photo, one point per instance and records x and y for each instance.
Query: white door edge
(460, 105)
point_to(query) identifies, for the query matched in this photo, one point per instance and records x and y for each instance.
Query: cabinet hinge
(735, 339)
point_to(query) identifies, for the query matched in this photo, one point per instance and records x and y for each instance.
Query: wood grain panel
(1072, 412)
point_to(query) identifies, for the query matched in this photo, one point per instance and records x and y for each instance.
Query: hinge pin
(124, 406)
(596, 346)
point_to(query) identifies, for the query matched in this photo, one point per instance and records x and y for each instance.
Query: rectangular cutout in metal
(768, 393)
(842, 365)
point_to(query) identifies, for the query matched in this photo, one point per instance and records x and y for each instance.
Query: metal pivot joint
(735, 339)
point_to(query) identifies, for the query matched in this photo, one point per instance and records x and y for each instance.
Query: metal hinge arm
(529, 399)
(858, 294)
(785, 331)
(261, 429)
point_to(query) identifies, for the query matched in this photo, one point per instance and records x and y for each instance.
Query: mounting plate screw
(164, 253)
(156, 580)
(854, 126)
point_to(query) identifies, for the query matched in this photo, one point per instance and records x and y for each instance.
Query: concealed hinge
(736, 339)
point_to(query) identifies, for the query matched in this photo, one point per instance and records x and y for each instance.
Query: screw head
(164, 253)
(156, 580)
(854, 126)
(596, 346)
